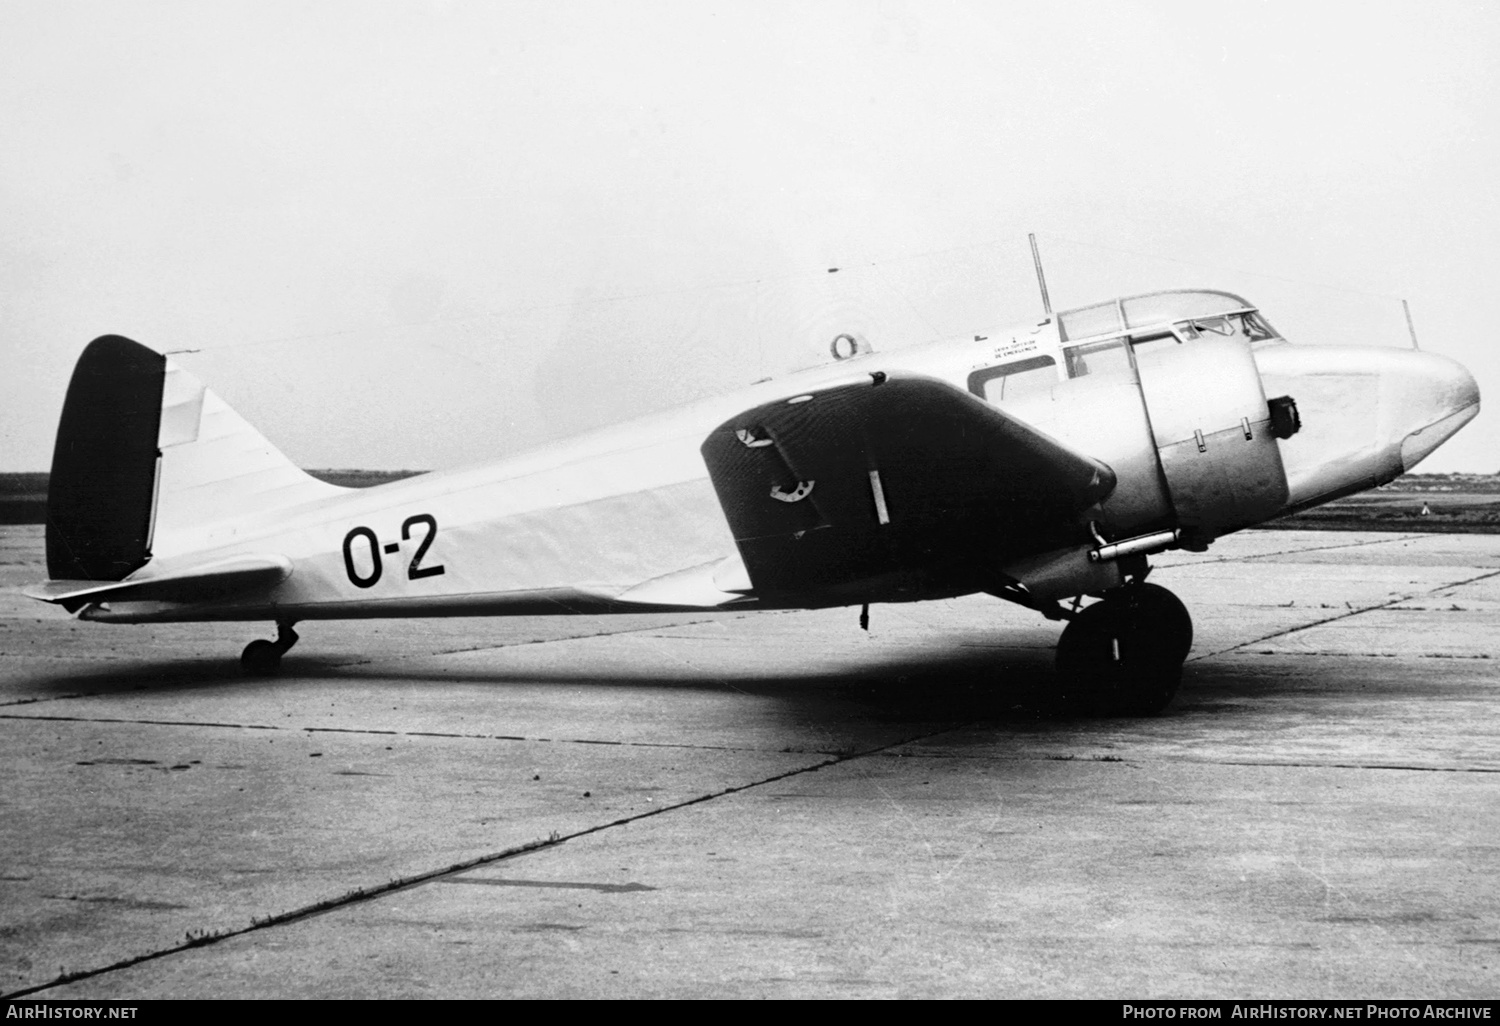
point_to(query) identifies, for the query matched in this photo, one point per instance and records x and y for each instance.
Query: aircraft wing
(203, 583)
(892, 485)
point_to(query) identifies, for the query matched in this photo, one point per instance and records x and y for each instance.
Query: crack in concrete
(39, 698)
(339, 665)
(408, 733)
(1346, 615)
(1289, 764)
(540, 641)
(566, 885)
(358, 895)
(1335, 654)
(1133, 762)
(1298, 552)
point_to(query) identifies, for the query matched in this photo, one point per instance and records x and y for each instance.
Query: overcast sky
(423, 234)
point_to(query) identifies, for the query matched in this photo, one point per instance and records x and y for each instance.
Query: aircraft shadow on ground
(933, 682)
(951, 679)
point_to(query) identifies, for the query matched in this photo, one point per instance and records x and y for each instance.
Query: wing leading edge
(897, 486)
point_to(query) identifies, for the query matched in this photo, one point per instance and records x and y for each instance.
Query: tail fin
(104, 464)
(147, 460)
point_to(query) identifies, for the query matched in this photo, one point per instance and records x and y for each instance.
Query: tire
(1165, 614)
(1115, 658)
(261, 658)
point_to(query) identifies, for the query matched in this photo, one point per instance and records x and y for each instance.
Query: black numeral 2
(416, 569)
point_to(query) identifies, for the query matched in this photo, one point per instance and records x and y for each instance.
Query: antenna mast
(1041, 279)
(1410, 328)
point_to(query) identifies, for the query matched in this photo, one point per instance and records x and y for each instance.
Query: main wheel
(261, 658)
(1164, 613)
(1123, 656)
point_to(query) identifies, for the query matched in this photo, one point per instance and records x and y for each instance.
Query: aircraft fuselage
(1208, 420)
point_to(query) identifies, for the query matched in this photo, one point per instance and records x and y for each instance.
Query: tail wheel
(261, 658)
(1124, 655)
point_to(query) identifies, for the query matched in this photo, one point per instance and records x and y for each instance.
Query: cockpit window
(1232, 315)
(1248, 325)
(1212, 326)
(1256, 328)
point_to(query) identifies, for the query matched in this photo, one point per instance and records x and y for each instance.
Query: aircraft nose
(1433, 397)
(1369, 413)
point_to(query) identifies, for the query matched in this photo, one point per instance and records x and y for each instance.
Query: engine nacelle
(1214, 436)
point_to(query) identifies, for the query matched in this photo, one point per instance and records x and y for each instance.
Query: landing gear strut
(262, 658)
(1125, 654)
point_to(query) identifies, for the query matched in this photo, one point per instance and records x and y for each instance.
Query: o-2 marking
(414, 571)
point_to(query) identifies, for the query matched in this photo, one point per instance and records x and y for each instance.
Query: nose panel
(1432, 399)
(1368, 414)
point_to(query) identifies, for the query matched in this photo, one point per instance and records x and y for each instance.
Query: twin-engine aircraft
(1043, 465)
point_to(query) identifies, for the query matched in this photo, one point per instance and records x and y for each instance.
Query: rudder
(103, 480)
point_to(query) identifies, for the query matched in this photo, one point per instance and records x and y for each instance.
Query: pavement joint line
(360, 895)
(1460, 584)
(62, 657)
(1132, 762)
(1344, 765)
(405, 733)
(1332, 654)
(1297, 552)
(33, 699)
(337, 665)
(534, 641)
(1346, 615)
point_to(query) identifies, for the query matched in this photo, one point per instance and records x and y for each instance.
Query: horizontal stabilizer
(197, 584)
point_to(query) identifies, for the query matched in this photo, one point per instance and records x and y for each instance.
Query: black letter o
(358, 581)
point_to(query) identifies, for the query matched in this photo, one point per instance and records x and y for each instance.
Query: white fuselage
(627, 517)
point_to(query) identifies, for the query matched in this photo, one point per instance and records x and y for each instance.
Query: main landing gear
(262, 658)
(1124, 654)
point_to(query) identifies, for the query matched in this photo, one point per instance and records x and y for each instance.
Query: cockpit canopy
(1190, 314)
(1100, 339)
(1109, 338)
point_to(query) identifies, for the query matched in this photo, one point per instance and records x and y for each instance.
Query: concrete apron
(773, 804)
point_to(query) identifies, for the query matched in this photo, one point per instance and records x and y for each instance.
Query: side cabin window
(1013, 380)
(1106, 357)
(1154, 341)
